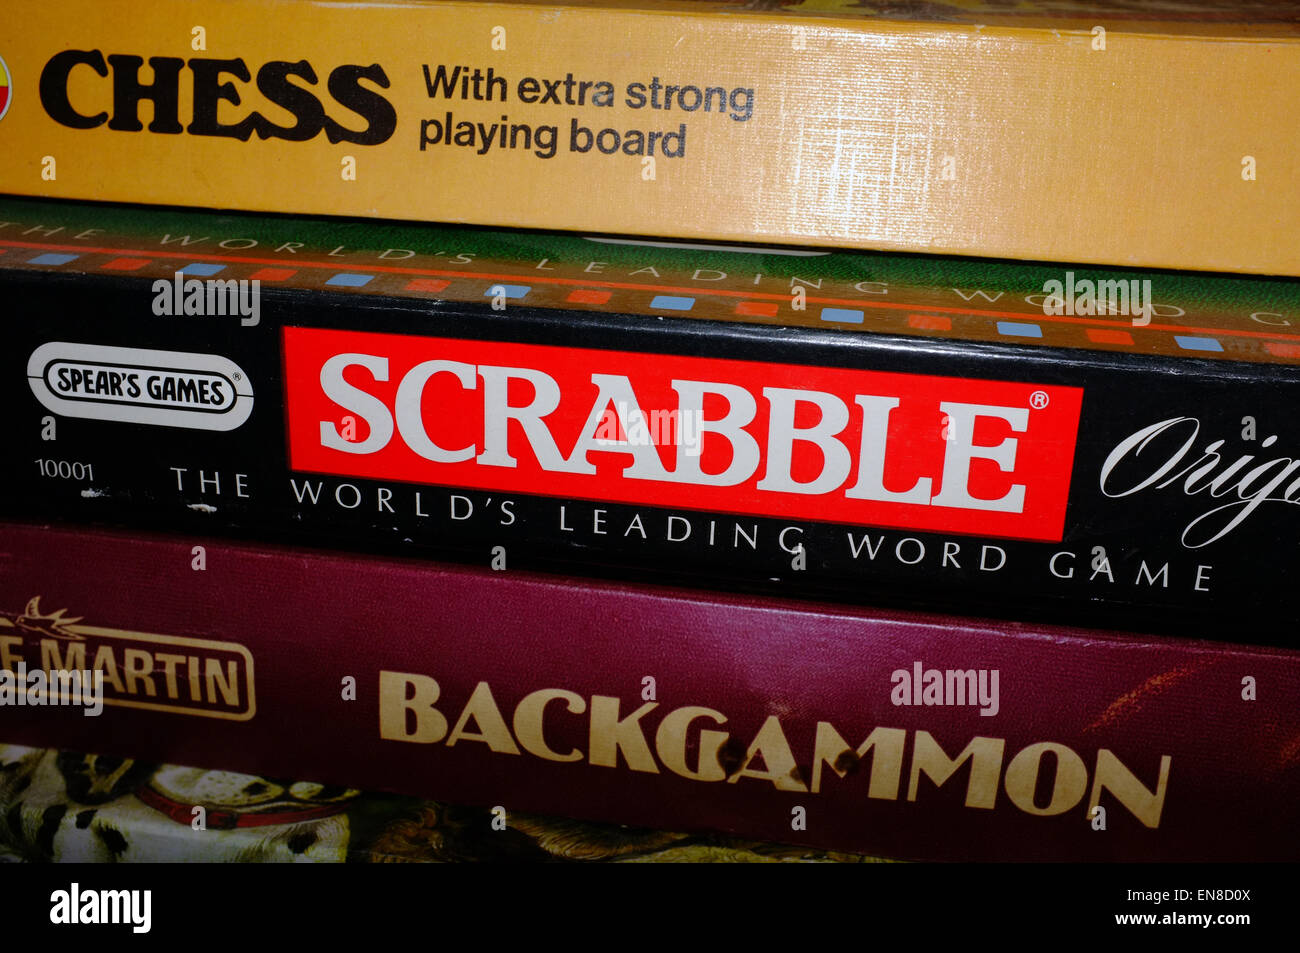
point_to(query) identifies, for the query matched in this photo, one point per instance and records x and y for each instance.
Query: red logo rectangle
(876, 448)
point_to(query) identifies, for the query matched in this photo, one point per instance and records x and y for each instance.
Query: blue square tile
(509, 291)
(202, 269)
(672, 303)
(1019, 329)
(53, 258)
(347, 279)
(1190, 343)
(843, 315)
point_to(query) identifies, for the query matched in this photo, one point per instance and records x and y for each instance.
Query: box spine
(896, 735)
(845, 131)
(1125, 490)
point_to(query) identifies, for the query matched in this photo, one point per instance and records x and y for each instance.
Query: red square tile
(930, 322)
(427, 284)
(757, 309)
(126, 264)
(587, 296)
(273, 274)
(1282, 349)
(1108, 336)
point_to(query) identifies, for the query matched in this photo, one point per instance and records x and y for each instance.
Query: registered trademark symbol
(1038, 399)
(239, 377)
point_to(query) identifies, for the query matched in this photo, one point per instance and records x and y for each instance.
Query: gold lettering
(395, 703)
(482, 707)
(169, 663)
(886, 746)
(1111, 775)
(610, 735)
(138, 666)
(8, 658)
(1067, 788)
(778, 761)
(670, 742)
(228, 684)
(984, 754)
(530, 717)
(74, 660)
(107, 663)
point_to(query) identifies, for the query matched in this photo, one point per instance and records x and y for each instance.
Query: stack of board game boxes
(865, 431)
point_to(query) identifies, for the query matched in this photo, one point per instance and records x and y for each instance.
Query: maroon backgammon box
(897, 734)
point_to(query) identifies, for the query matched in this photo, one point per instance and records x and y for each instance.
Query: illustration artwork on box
(69, 807)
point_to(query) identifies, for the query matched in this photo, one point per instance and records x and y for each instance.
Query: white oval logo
(136, 385)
